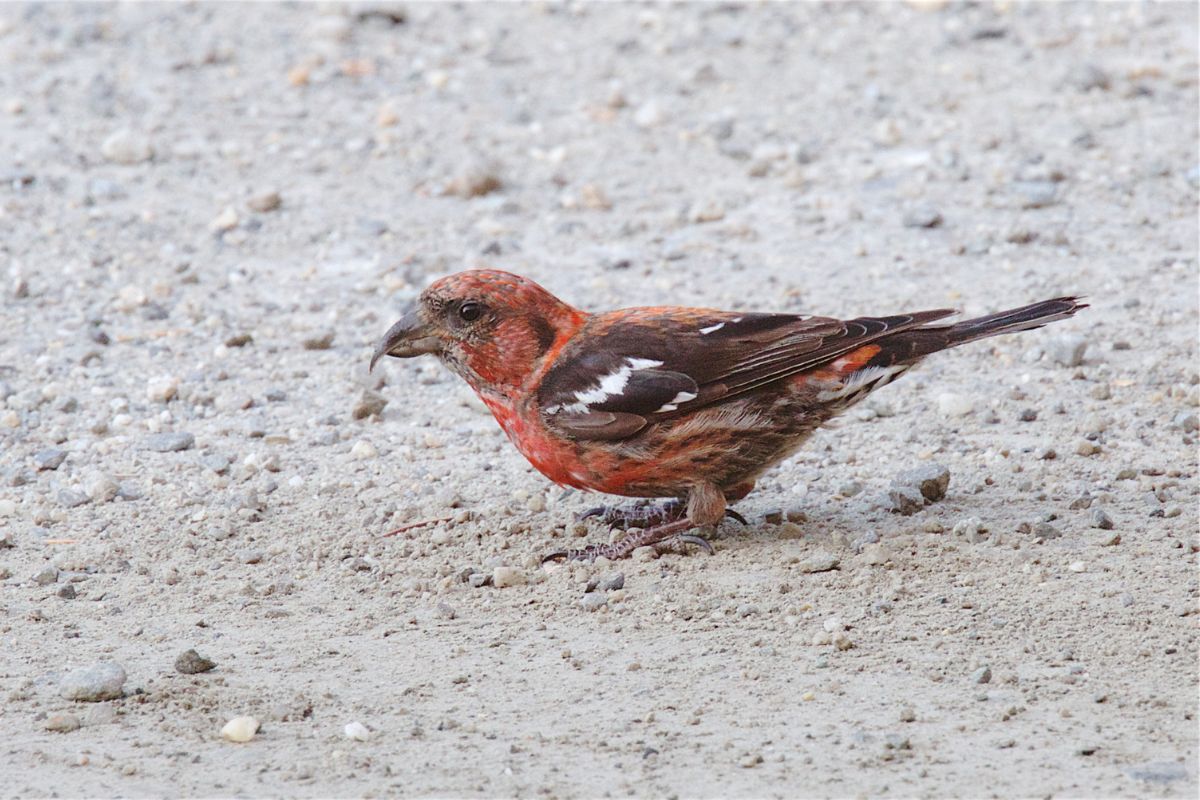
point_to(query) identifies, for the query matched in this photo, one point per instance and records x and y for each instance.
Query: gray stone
(101, 487)
(1044, 530)
(982, 675)
(821, 561)
(1100, 519)
(612, 582)
(1067, 349)
(593, 601)
(69, 498)
(905, 499)
(172, 442)
(49, 459)
(922, 217)
(46, 576)
(1036, 194)
(1087, 77)
(1158, 772)
(1187, 420)
(102, 681)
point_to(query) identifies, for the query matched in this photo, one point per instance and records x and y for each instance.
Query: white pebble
(649, 115)
(226, 220)
(503, 577)
(7, 508)
(101, 487)
(362, 450)
(1077, 566)
(240, 729)
(955, 405)
(126, 147)
(162, 389)
(357, 731)
(833, 625)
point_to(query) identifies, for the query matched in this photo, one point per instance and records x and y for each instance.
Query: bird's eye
(469, 312)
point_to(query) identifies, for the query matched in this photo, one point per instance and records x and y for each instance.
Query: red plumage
(690, 404)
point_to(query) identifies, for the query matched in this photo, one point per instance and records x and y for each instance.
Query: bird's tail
(1014, 320)
(910, 345)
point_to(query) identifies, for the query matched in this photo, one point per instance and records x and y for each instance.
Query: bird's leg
(645, 514)
(706, 506)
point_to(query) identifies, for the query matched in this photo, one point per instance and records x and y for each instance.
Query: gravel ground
(210, 213)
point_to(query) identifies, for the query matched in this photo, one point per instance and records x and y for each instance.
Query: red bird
(689, 404)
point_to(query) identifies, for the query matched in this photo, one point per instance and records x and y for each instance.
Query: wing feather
(661, 363)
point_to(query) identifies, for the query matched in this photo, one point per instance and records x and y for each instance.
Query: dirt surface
(208, 215)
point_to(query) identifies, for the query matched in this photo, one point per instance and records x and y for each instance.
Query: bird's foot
(645, 514)
(672, 533)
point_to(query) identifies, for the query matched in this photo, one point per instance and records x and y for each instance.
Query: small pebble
(46, 576)
(972, 529)
(1077, 566)
(1100, 519)
(240, 729)
(50, 459)
(356, 731)
(922, 217)
(1187, 420)
(931, 480)
(612, 581)
(593, 602)
(1044, 530)
(1067, 349)
(982, 675)
(1036, 194)
(127, 147)
(162, 389)
(474, 179)
(319, 341)
(370, 404)
(102, 681)
(101, 487)
(170, 442)
(264, 202)
(227, 220)
(190, 662)
(821, 561)
(954, 405)
(363, 450)
(504, 577)
(62, 723)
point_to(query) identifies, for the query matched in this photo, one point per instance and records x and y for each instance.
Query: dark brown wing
(629, 368)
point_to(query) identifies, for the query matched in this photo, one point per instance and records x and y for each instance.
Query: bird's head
(490, 327)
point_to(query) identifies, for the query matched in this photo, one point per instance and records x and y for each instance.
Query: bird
(685, 406)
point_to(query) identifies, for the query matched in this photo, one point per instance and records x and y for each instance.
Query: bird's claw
(645, 515)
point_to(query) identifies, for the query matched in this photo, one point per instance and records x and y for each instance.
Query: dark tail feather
(1025, 318)
(908, 346)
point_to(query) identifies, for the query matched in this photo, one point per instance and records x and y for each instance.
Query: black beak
(407, 338)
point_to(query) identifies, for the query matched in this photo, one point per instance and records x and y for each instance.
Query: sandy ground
(208, 214)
